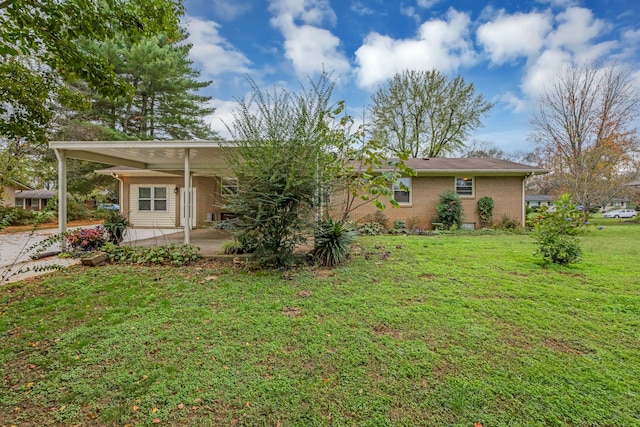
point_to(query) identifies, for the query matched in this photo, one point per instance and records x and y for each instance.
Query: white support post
(187, 197)
(62, 192)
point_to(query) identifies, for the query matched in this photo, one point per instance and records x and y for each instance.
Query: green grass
(422, 330)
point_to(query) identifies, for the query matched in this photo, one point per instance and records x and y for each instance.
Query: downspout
(524, 199)
(120, 189)
(62, 193)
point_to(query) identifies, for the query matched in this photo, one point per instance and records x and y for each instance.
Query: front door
(183, 207)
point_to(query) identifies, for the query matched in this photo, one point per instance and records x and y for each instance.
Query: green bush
(485, 211)
(507, 223)
(174, 254)
(86, 239)
(556, 230)
(116, 225)
(450, 210)
(332, 242)
(11, 215)
(370, 228)
(378, 217)
(232, 247)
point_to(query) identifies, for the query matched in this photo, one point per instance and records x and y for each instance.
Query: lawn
(447, 330)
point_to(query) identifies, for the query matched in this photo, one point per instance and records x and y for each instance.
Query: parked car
(620, 213)
(109, 207)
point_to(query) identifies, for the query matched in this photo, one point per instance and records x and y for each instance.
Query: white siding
(152, 219)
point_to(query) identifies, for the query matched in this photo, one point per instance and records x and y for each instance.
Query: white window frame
(465, 179)
(153, 199)
(228, 186)
(397, 188)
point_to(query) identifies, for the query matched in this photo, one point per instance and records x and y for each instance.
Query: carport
(184, 158)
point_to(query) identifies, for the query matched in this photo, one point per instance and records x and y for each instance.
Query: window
(152, 199)
(464, 186)
(228, 186)
(402, 191)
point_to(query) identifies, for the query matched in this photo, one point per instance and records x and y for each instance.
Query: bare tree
(583, 128)
(423, 113)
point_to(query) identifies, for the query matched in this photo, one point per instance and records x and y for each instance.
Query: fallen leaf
(30, 384)
(477, 425)
(180, 405)
(154, 410)
(135, 407)
(197, 400)
(248, 404)
(156, 420)
(210, 278)
(62, 408)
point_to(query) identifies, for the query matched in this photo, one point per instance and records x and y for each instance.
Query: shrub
(506, 223)
(174, 254)
(232, 247)
(86, 239)
(377, 217)
(370, 228)
(450, 210)
(485, 211)
(116, 226)
(555, 231)
(11, 215)
(332, 242)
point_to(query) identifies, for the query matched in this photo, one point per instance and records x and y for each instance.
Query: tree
(583, 127)
(164, 102)
(422, 113)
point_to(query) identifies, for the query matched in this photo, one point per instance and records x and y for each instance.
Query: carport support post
(62, 193)
(187, 197)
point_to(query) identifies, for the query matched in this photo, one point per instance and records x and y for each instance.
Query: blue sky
(509, 49)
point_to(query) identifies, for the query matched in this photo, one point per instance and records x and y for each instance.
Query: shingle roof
(36, 194)
(487, 166)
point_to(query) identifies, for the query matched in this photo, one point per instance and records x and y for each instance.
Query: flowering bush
(86, 239)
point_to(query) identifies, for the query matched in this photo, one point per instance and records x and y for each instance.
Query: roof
(538, 198)
(36, 194)
(471, 166)
(161, 156)
(117, 171)
(18, 185)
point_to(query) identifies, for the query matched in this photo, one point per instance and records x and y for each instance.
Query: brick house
(471, 178)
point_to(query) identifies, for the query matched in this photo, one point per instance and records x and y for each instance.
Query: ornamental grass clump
(556, 230)
(332, 242)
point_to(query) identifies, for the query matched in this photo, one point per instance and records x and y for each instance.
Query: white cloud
(211, 51)
(426, 4)
(509, 37)
(576, 27)
(514, 102)
(309, 47)
(229, 9)
(222, 115)
(439, 44)
(543, 71)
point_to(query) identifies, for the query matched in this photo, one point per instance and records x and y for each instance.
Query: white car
(620, 213)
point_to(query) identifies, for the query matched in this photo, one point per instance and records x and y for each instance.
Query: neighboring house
(33, 200)
(616, 204)
(154, 199)
(471, 178)
(9, 192)
(539, 200)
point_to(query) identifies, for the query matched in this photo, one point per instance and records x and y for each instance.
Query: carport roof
(205, 157)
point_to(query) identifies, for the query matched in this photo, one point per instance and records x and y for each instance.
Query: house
(33, 200)
(182, 183)
(153, 199)
(9, 192)
(539, 200)
(470, 178)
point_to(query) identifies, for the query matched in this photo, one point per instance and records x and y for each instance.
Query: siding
(152, 219)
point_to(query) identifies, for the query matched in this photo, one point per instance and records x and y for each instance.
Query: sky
(509, 49)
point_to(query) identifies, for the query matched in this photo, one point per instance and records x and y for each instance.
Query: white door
(183, 207)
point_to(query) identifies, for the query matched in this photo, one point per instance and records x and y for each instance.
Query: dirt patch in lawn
(48, 226)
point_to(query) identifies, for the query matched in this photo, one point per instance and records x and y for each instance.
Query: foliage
(422, 113)
(507, 223)
(446, 329)
(282, 139)
(584, 128)
(485, 210)
(86, 239)
(174, 254)
(450, 211)
(332, 242)
(379, 217)
(370, 228)
(12, 215)
(232, 247)
(556, 231)
(116, 225)
(165, 104)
